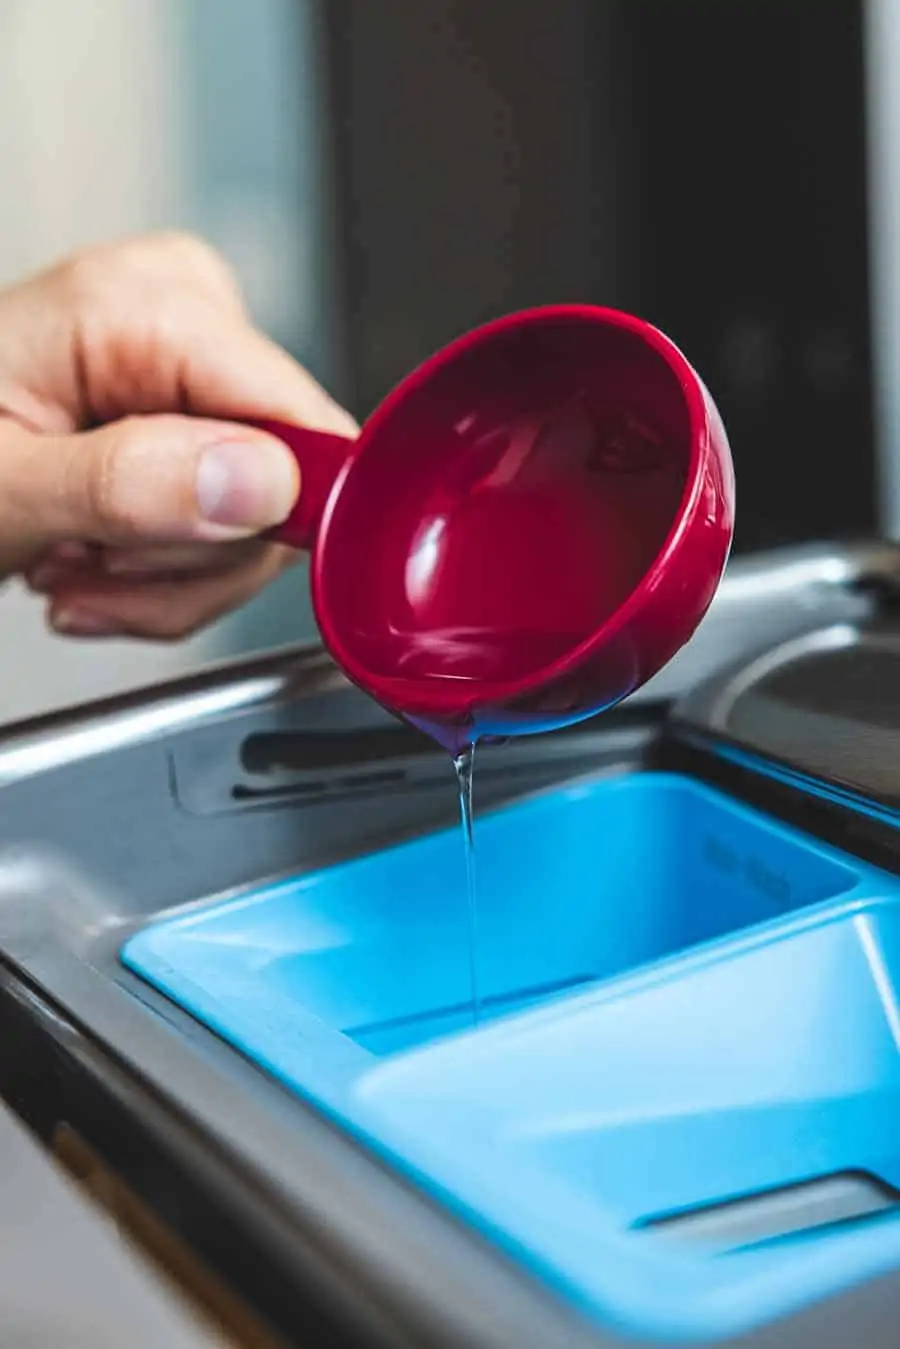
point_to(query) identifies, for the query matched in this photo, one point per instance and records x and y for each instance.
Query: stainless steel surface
(67, 1280)
(716, 702)
(769, 597)
(851, 749)
(147, 714)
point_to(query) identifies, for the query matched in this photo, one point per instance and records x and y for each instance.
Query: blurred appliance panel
(701, 163)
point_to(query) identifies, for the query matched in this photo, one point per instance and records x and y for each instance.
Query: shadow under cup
(507, 505)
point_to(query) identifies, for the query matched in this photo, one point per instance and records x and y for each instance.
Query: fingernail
(81, 623)
(247, 486)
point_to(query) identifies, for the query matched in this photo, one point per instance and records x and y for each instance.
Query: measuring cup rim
(431, 695)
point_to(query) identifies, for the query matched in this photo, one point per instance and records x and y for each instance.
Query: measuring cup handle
(320, 457)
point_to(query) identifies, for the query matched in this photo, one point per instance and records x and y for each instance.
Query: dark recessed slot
(240, 792)
(772, 1215)
(362, 784)
(376, 779)
(311, 751)
(356, 783)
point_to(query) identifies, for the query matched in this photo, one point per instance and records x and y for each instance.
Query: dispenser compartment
(574, 886)
(690, 1013)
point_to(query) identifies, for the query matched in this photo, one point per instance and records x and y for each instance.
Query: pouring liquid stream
(464, 763)
(465, 654)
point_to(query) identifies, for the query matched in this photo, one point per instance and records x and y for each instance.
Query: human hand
(128, 496)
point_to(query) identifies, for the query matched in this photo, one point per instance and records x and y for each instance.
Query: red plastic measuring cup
(527, 528)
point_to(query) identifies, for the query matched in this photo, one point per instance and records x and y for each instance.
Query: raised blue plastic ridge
(686, 1003)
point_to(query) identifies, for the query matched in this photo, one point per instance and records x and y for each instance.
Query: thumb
(161, 479)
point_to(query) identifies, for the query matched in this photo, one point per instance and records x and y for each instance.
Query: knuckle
(195, 261)
(102, 279)
(115, 481)
(84, 273)
(182, 244)
(146, 260)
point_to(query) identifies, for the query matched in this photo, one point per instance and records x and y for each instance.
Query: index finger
(239, 374)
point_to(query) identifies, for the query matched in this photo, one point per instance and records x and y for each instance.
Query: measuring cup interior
(505, 501)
